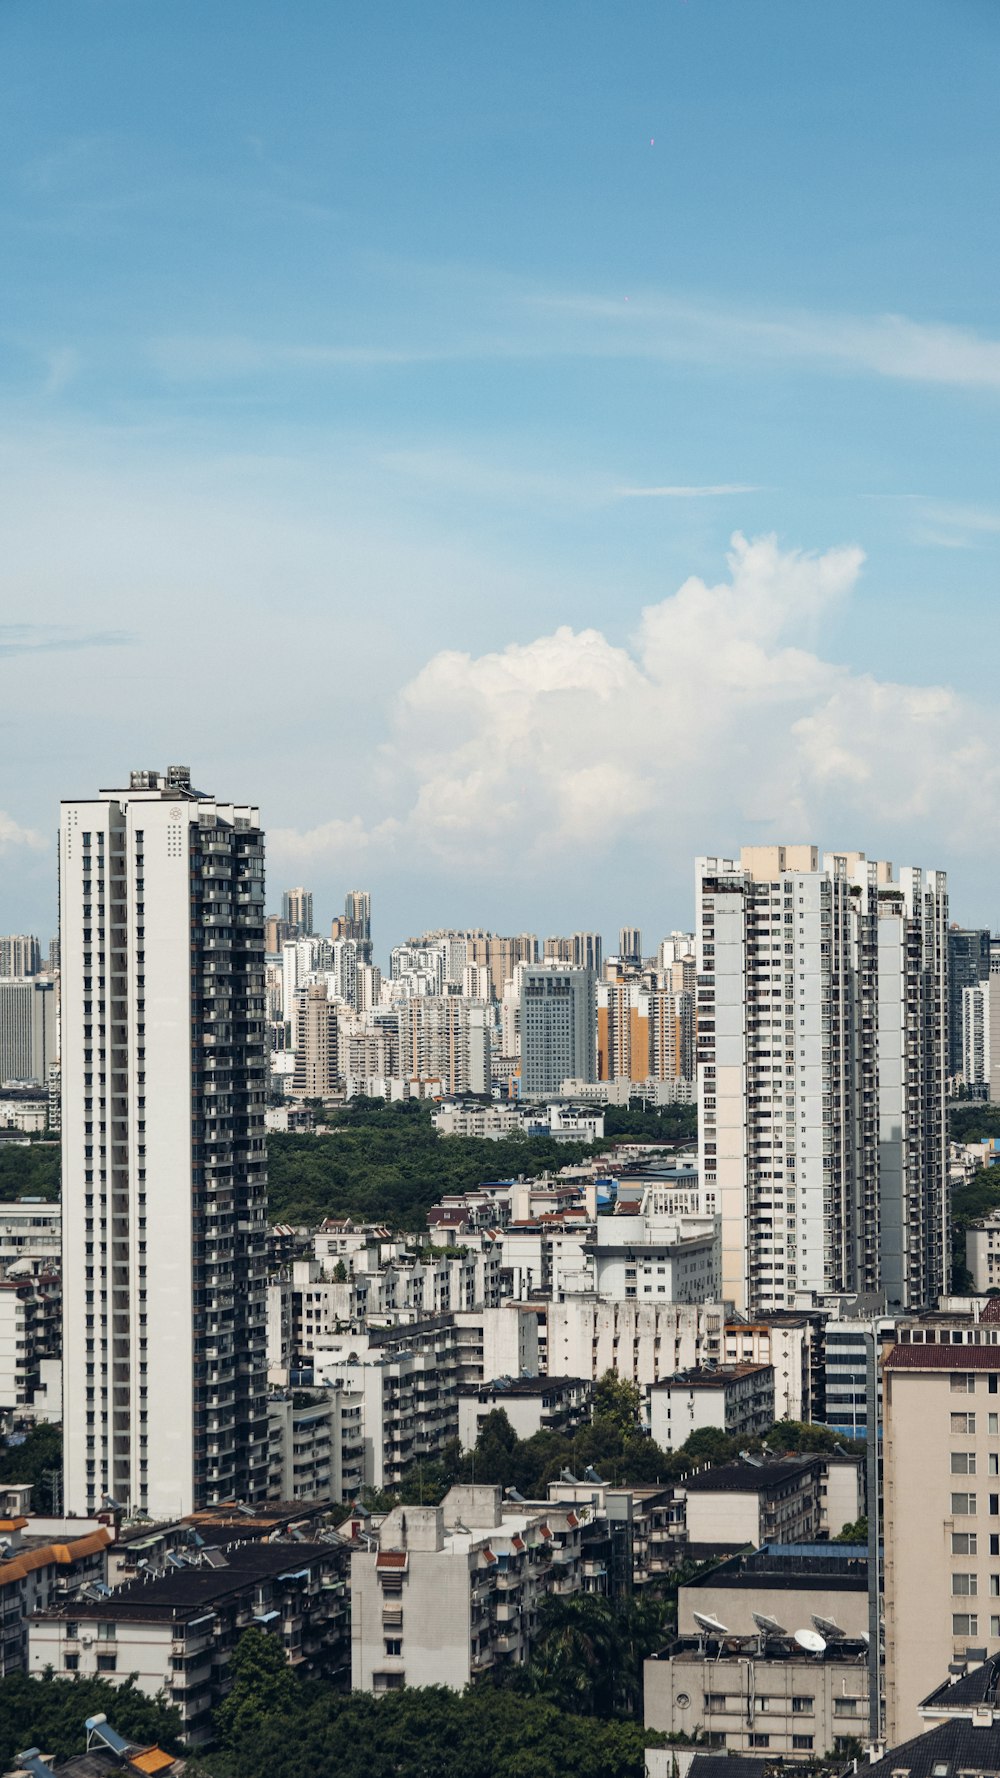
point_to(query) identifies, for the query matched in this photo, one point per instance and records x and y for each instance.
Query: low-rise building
(799, 1581)
(531, 1404)
(766, 1696)
(174, 1632)
(755, 1500)
(30, 1235)
(443, 1594)
(735, 1398)
(38, 1571)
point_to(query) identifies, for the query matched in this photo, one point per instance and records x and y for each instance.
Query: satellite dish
(865, 1638)
(769, 1625)
(711, 1624)
(811, 1641)
(828, 1628)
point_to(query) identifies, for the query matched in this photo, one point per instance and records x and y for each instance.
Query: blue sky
(367, 372)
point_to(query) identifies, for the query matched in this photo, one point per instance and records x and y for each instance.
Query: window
(964, 1584)
(992, 1380)
(802, 1706)
(963, 1543)
(394, 1645)
(964, 1422)
(388, 1682)
(72, 1663)
(802, 1743)
(964, 1623)
(964, 1383)
(991, 1425)
(715, 1700)
(760, 1740)
(962, 1505)
(846, 1706)
(107, 1663)
(995, 1626)
(994, 1463)
(963, 1463)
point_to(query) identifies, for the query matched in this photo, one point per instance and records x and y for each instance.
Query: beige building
(790, 1587)
(941, 1454)
(316, 1054)
(781, 1702)
(755, 1500)
(448, 1592)
(982, 1252)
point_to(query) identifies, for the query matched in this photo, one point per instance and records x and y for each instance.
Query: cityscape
(684, 1355)
(500, 1144)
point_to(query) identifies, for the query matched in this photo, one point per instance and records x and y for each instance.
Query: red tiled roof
(942, 1358)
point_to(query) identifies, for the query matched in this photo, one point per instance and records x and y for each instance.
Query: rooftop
(182, 1590)
(714, 1376)
(756, 1476)
(959, 1746)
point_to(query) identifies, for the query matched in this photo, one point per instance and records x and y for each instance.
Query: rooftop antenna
(811, 1641)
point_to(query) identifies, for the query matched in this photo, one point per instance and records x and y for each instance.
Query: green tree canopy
(50, 1714)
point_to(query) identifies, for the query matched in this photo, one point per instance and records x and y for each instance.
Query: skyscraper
(297, 910)
(164, 1169)
(558, 1020)
(822, 1065)
(968, 966)
(630, 945)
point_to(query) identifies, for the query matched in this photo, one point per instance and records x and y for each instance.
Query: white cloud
(722, 720)
(12, 835)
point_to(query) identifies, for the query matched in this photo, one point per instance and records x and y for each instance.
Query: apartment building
(822, 1042)
(941, 1457)
(30, 1236)
(163, 1175)
(29, 1340)
(446, 1038)
(531, 1404)
(734, 1398)
(755, 1500)
(315, 1444)
(641, 1341)
(981, 1038)
(652, 1254)
(790, 1344)
(20, 954)
(297, 911)
(968, 967)
(41, 1571)
(317, 1060)
(645, 1032)
(174, 1632)
(444, 1594)
(982, 1253)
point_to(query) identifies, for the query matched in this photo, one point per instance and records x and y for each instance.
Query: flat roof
(182, 1590)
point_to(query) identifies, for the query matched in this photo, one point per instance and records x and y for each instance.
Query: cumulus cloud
(722, 720)
(12, 835)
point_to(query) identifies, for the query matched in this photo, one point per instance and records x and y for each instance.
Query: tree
(50, 1714)
(856, 1533)
(340, 1273)
(618, 1400)
(33, 1460)
(262, 1687)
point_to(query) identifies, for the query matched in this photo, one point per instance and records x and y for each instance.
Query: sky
(521, 447)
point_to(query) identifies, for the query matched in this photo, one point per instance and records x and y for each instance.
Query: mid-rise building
(737, 1399)
(941, 1517)
(163, 1159)
(173, 1634)
(558, 1026)
(822, 1042)
(453, 1591)
(29, 1022)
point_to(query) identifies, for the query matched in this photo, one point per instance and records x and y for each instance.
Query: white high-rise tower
(822, 1070)
(164, 1166)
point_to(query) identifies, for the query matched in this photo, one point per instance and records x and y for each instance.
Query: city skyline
(435, 401)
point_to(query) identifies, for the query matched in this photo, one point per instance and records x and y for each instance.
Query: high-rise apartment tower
(164, 1169)
(822, 1027)
(558, 1026)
